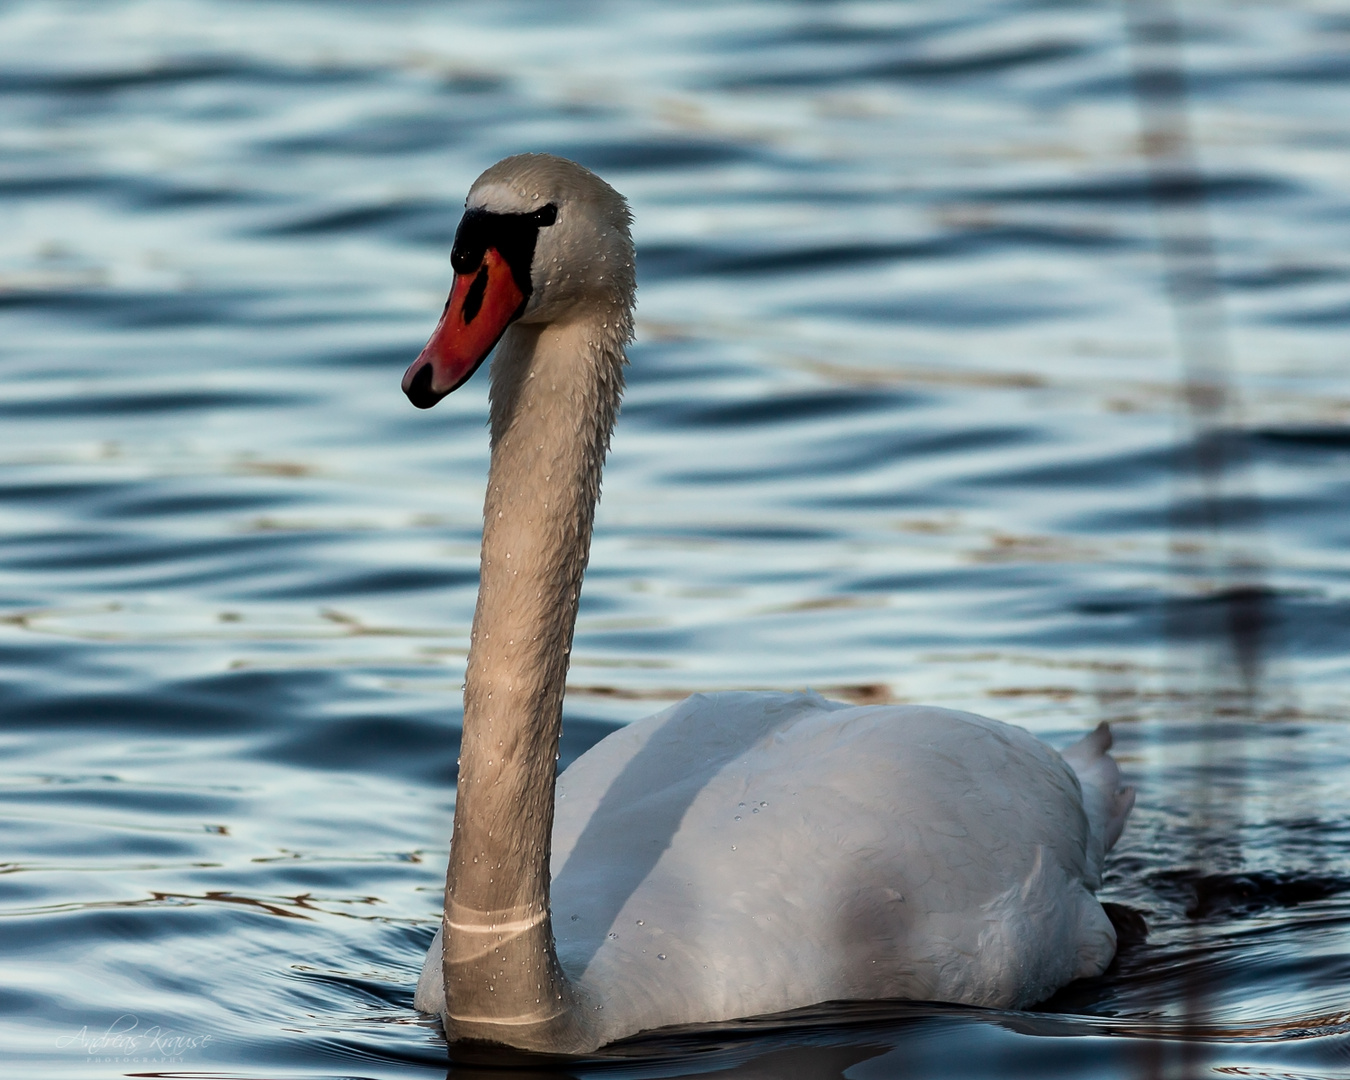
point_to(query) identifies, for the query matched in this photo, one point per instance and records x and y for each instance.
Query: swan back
(750, 853)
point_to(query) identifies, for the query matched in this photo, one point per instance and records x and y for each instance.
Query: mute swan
(740, 853)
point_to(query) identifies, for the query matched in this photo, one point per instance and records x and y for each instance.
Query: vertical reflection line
(1218, 603)
(1215, 518)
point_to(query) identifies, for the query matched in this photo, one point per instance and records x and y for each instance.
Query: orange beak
(481, 306)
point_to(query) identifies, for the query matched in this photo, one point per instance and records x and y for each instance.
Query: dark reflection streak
(1217, 549)
(1219, 602)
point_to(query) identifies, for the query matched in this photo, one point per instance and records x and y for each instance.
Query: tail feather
(1105, 800)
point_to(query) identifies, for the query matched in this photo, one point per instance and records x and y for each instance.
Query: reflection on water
(914, 415)
(1218, 611)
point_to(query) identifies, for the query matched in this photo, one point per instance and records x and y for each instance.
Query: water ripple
(902, 425)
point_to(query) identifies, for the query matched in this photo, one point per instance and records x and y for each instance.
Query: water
(903, 424)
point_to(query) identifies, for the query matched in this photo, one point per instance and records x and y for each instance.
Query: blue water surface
(905, 422)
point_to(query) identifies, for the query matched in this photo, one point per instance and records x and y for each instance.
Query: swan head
(542, 240)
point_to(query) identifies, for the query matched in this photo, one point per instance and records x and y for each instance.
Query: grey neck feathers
(555, 394)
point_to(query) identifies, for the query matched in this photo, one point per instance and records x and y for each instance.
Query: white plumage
(748, 853)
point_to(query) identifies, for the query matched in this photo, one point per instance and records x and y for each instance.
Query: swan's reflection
(917, 1042)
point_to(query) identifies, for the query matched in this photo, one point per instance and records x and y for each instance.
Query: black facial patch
(514, 237)
(473, 299)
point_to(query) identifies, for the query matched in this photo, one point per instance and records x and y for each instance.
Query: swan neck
(555, 393)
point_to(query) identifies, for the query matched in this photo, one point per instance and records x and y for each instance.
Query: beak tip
(417, 385)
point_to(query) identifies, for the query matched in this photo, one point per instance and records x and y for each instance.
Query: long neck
(555, 392)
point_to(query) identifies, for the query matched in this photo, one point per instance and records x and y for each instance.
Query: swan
(738, 854)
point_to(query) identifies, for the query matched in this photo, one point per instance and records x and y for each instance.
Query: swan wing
(749, 853)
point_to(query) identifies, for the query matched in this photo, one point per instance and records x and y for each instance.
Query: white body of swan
(740, 853)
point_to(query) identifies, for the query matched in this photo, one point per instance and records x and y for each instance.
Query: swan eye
(545, 215)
